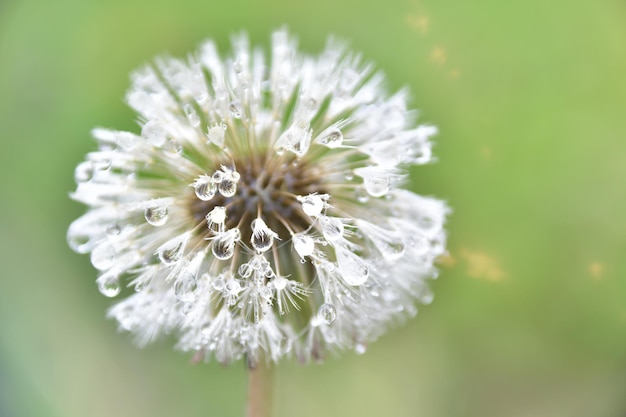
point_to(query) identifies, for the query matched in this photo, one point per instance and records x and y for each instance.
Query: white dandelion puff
(259, 212)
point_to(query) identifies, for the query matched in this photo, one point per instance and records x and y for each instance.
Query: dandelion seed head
(259, 212)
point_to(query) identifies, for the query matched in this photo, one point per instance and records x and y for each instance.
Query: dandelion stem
(260, 379)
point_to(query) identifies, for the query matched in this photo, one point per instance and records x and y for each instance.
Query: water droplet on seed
(279, 283)
(154, 133)
(83, 172)
(354, 270)
(109, 286)
(185, 288)
(218, 284)
(156, 216)
(187, 307)
(361, 195)
(101, 164)
(192, 115)
(377, 186)
(331, 138)
(295, 139)
(103, 256)
(224, 244)
(228, 187)
(262, 236)
(332, 228)
(327, 313)
(113, 230)
(172, 146)
(172, 251)
(218, 176)
(216, 135)
(303, 244)
(235, 109)
(205, 188)
(312, 204)
(79, 243)
(265, 292)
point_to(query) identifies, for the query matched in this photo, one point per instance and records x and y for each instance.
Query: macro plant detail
(259, 212)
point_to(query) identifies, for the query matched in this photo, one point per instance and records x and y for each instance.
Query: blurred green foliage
(530, 311)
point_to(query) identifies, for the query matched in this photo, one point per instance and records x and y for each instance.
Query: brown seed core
(266, 188)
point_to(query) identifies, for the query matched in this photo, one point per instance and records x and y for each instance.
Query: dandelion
(259, 213)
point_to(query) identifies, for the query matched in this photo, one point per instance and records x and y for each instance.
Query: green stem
(260, 391)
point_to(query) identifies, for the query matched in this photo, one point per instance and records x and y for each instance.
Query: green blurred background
(529, 317)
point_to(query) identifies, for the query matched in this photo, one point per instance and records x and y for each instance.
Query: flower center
(267, 188)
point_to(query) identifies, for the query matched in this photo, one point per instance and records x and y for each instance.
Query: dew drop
(109, 285)
(348, 175)
(332, 228)
(187, 307)
(216, 135)
(232, 287)
(218, 284)
(303, 244)
(205, 188)
(295, 139)
(185, 288)
(101, 164)
(192, 115)
(174, 147)
(218, 176)
(156, 216)
(238, 67)
(327, 313)
(103, 256)
(388, 241)
(154, 133)
(245, 270)
(331, 138)
(312, 204)
(377, 186)
(265, 292)
(261, 242)
(224, 244)
(279, 283)
(235, 109)
(262, 236)
(227, 187)
(425, 296)
(83, 172)
(216, 216)
(353, 269)
(80, 243)
(360, 348)
(113, 230)
(126, 140)
(361, 195)
(171, 252)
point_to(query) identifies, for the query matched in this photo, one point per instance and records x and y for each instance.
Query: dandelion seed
(260, 212)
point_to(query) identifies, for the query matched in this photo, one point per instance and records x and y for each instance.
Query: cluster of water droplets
(223, 181)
